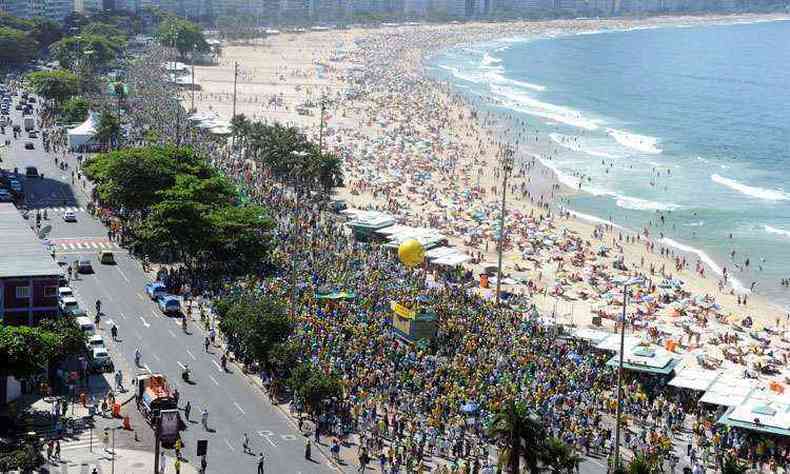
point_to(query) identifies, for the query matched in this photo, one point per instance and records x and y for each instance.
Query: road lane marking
(156, 357)
(267, 435)
(218, 367)
(191, 355)
(171, 333)
(240, 408)
(229, 445)
(145, 323)
(122, 315)
(154, 313)
(145, 366)
(180, 364)
(213, 380)
(140, 296)
(122, 274)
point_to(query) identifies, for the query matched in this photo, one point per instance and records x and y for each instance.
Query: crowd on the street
(414, 403)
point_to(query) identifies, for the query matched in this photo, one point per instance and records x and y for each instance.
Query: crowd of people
(411, 404)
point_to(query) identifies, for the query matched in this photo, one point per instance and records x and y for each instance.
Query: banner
(402, 311)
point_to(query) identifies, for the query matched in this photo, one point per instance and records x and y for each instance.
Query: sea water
(692, 124)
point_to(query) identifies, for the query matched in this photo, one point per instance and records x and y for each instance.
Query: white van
(86, 325)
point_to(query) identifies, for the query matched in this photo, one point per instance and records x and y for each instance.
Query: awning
(762, 410)
(664, 370)
(728, 390)
(695, 378)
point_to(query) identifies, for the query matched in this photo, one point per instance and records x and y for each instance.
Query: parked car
(96, 341)
(169, 304)
(29, 146)
(70, 216)
(84, 265)
(155, 290)
(101, 360)
(86, 325)
(68, 304)
(106, 257)
(65, 292)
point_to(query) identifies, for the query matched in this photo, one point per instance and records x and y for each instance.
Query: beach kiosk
(413, 325)
(366, 223)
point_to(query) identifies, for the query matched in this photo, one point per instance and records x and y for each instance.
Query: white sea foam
(593, 219)
(569, 180)
(642, 143)
(522, 102)
(774, 230)
(696, 224)
(496, 75)
(460, 75)
(707, 260)
(489, 60)
(567, 141)
(628, 202)
(753, 191)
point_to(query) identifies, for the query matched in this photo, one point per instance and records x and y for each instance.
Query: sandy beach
(414, 148)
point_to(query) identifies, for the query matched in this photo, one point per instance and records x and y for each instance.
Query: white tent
(84, 132)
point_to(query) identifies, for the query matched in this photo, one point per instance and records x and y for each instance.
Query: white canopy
(695, 378)
(728, 390)
(83, 133)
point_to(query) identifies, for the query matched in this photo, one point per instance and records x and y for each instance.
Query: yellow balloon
(411, 253)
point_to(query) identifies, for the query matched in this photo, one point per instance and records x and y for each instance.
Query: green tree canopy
(314, 387)
(254, 325)
(54, 85)
(108, 130)
(26, 351)
(184, 35)
(46, 32)
(86, 50)
(16, 46)
(106, 30)
(75, 110)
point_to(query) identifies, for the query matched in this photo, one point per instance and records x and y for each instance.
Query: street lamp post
(507, 167)
(618, 416)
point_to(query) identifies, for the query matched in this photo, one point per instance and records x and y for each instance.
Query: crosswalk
(57, 210)
(84, 244)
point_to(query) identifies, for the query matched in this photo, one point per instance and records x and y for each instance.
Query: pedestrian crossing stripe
(87, 246)
(59, 209)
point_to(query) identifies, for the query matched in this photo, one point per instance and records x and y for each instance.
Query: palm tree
(559, 458)
(733, 466)
(521, 434)
(642, 464)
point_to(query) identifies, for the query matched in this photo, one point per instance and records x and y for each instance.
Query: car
(70, 216)
(155, 290)
(101, 360)
(84, 265)
(68, 304)
(32, 134)
(169, 304)
(96, 342)
(65, 292)
(31, 172)
(106, 257)
(29, 146)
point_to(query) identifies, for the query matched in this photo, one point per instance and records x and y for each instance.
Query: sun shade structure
(762, 410)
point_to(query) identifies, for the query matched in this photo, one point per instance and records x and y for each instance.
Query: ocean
(691, 124)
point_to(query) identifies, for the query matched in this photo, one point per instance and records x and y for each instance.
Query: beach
(415, 148)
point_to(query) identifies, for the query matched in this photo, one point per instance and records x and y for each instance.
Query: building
(55, 10)
(28, 273)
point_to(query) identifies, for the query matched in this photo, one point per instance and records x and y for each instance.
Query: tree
(21, 456)
(731, 465)
(132, 178)
(76, 52)
(559, 458)
(253, 325)
(314, 387)
(184, 35)
(24, 351)
(16, 46)
(108, 130)
(75, 110)
(241, 240)
(46, 32)
(106, 30)
(642, 464)
(54, 85)
(68, 339)
(521, 434)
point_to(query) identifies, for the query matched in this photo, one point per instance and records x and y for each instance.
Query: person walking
(162, 463)
(261, 460)
(187, 409)
(177, 466)
(245, 443)
(203, 464)
(57, 449)
(119, 381)
(204, 419)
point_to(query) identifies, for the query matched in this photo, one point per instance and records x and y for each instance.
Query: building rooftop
(21, 252)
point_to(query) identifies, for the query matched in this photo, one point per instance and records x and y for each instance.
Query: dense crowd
(411, 403)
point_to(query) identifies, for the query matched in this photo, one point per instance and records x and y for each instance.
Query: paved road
(233, 404)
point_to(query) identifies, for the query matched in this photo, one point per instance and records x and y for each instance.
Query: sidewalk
(126, 461)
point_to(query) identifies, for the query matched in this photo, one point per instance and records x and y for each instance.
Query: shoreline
(422, 125)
